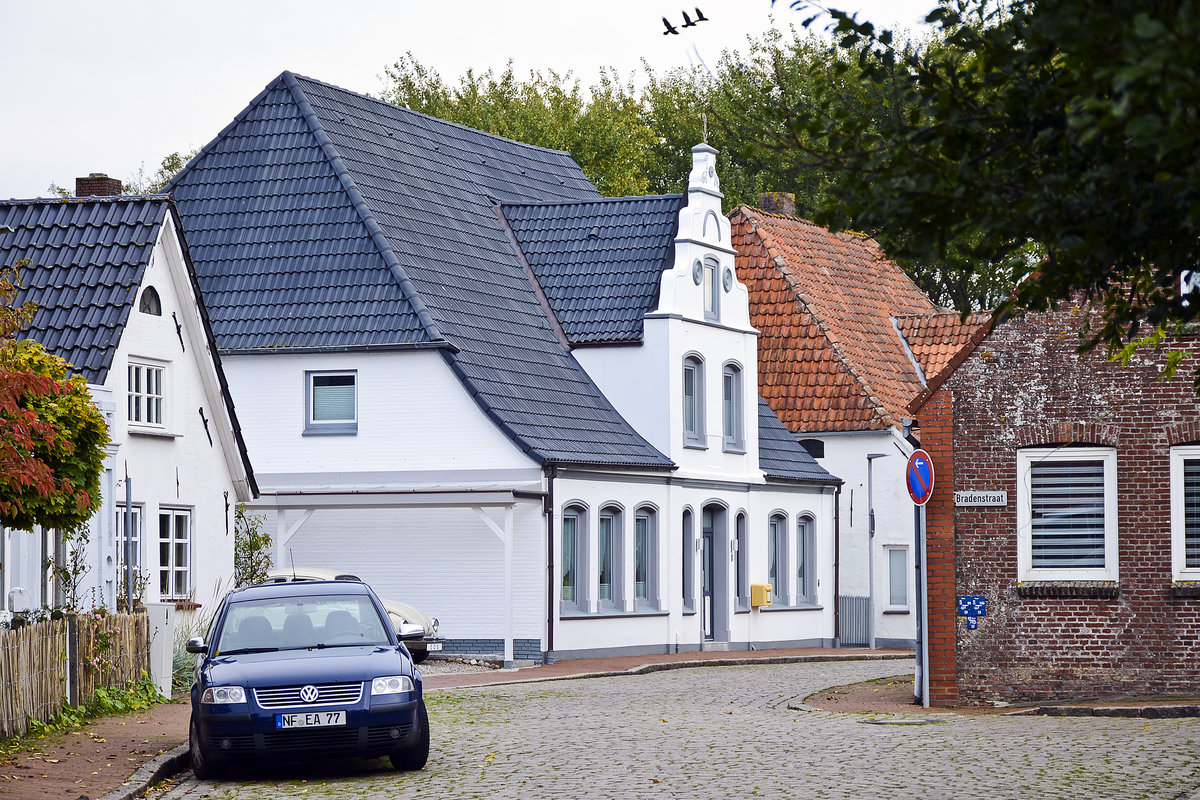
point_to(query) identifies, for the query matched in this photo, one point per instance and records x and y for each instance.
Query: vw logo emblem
(309, 694)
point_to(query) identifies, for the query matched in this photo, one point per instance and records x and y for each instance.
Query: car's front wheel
(204, 765)
(415, 756)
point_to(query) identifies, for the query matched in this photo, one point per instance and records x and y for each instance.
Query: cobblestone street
(736, 732)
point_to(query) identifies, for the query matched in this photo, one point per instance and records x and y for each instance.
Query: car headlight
(435, 628)
(224, 694)
(392, 684)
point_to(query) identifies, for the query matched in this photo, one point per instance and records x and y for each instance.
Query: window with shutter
(1185, 512)
(331, 402)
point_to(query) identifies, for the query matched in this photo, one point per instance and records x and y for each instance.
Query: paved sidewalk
(116, 758)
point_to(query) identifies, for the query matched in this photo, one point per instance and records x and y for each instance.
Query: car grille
(327, 739)
(328, 694)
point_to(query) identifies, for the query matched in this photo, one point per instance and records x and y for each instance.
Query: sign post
(918, 478)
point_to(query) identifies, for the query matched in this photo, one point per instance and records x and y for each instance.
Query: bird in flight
(699, 16)
(687, 21)
(670, 28)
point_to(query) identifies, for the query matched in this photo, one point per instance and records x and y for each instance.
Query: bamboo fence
(35, 672)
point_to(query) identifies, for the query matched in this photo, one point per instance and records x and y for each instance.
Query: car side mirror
(407, 631)
(196, 645)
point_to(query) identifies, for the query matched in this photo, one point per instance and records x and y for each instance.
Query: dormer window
(711, 287)
(693, 402)
(150, 302)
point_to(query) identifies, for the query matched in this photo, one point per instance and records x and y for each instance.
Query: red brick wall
(1026, 386)
(936, 429)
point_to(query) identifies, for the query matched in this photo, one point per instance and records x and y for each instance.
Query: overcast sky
(107, 86)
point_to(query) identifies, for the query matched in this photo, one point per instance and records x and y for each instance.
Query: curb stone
(646, 669)
(161, 766)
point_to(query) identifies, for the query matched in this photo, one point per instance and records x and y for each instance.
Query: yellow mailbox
(760, 594)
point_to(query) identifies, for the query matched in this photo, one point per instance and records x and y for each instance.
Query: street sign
(918, 476)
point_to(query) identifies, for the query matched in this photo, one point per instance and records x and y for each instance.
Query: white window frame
(891, 550)
(806, 572)
(1027, 458)
(314, 426)
(576, 516)
(146, 407)
(617, 590)
(710, 285)
(138, 558)
(693, 430)
(688, 589)
(777, 548)
(733, 414)
(645, 526)
(1180, 571)
(178, 577)
(741, 533)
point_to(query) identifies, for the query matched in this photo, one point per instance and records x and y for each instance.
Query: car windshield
(300, 622)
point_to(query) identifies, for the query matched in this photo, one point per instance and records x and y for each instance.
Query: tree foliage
(253, 549)
(52, 436)
(602, 130)
(1052, 143)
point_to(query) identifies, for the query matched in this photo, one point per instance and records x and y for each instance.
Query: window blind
(1191, 513)
(1067, 499)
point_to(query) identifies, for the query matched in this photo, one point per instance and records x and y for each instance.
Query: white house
(526, 409)
(117, 298)
(848, 340)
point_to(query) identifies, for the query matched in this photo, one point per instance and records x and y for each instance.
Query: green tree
(602, 129)
(52, 436)
(253, 550)
(1050, 142)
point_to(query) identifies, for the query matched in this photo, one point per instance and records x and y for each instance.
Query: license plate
(313, 719)
(434, 646)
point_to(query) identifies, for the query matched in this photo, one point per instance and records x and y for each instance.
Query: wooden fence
(49, 665)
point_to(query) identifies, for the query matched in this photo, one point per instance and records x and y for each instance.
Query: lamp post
(871, 546)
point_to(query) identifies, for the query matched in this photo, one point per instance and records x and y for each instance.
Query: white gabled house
(116, 298)
(526, 409)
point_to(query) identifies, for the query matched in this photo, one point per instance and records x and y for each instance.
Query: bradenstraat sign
(980, 498)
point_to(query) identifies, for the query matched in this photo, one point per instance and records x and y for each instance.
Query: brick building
(1068, 497)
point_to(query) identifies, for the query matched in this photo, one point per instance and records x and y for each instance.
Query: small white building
(528, 410)
(848, 341)
(117, 299)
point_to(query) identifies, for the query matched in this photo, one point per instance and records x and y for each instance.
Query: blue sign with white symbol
(972, 605)
(918, 476)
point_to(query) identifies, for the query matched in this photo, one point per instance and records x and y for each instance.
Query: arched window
(610, 557)
(732, 416)
(693, 402)
(805, 563)
(743, 563)
(645, 559)
(150, 303)
(574, 537)
(689, 565)
(777, 557)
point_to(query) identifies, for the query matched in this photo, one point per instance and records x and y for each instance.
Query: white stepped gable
(704, 238)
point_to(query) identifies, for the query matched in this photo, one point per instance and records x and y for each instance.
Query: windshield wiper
(244, 650)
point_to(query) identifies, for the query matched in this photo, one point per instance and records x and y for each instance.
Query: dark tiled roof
(935, 338)
(320, 218)
(599, 262)
(780, 456)
(830, 357)
(85, 261)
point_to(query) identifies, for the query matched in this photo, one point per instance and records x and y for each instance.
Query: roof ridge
(581, 201)
(296, 76)
(378, 237)
(106, 198)
(831, 337)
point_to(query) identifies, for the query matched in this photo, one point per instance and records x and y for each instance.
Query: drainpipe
(871, 547)
(837, 570)
(551, 576)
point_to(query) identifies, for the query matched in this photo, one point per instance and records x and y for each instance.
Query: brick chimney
(97, 185)
(778, 203)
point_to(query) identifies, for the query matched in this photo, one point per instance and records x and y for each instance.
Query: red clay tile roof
(830, 356)
(935, 338)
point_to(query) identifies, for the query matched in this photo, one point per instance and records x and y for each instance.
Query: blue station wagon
(305, 669)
